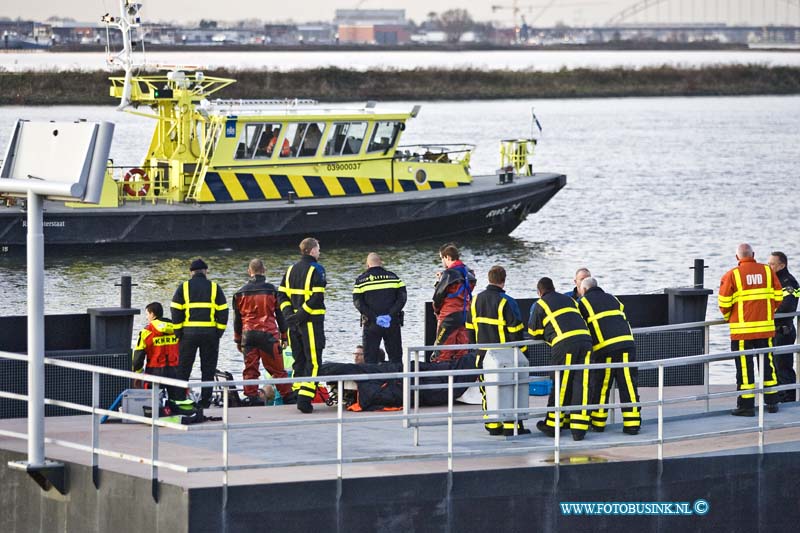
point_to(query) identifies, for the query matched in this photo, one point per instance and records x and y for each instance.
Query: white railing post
(155, 397)
(516, 390)
(35, 258)
(760, 400)
(660, 412)
(416, 397)
(225, 444)
(339, 428)
(450, 423)
(406, 388)
(95, 424)
(557, 417)
(707, 365)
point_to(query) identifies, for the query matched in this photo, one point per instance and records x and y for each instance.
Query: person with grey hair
(612, 342)
(749, 295)
(580, 274)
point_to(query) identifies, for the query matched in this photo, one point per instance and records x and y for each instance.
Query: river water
(653, 183)
(543, 60)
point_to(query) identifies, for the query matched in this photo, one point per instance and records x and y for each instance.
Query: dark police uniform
(613, 342)
(199, 316)
(380, 292)
(556, 319)
(494, 318)
(301, 296)
(786, 334)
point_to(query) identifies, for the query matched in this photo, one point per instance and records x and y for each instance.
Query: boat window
(258, 141)
(305, 138)
(384, 136)
(346, 139)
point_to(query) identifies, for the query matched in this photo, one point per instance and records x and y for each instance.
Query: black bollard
(125, 292)
(699, 274)
(291, 197)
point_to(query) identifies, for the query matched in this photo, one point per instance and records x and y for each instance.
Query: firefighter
(749, 294)
(495, 318)
(259, 332)
(200, 316)
(451, 301)
(785, 333)
(156, 351)
(301, 296)
(380, 295)
(557, 320)
(612, 342)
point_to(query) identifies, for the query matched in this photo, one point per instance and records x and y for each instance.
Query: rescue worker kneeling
(156, 352)
(556, 320)
(495, 318)
(612, 340)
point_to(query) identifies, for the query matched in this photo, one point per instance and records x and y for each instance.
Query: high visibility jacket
(748, 297)
(791, 293)
(157, 345)
(199, 303)
(453, 292)
(555, 318)
(495, 318)
(254, 309)
(302, 290)
(379, 292)
(605, 316)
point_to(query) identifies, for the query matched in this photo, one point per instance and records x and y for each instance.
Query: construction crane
(516, 9)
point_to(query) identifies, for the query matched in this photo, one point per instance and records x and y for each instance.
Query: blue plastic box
(540, 388)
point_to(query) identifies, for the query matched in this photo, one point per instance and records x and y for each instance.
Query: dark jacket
(379, 292)
(190, 306)
(791, 293)
(453, 292)
(302, 290)
(605, 316)
(554, 327)
(495, 318)
(255, 309)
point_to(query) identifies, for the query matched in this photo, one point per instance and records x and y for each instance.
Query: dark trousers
(307, 341)
(174, 393)
(371, 337)
(745, 375)
(574, 386)
(784, 364)
(207, 341)
(262, 347)
(602, 381)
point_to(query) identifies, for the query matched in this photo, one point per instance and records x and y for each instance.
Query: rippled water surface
(652, 184)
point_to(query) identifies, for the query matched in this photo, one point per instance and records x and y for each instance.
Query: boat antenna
(535, 122)
(126, 22)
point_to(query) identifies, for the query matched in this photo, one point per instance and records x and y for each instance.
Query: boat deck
(387, 439)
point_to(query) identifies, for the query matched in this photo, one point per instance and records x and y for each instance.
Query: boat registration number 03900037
(503, 210)
(344, 166)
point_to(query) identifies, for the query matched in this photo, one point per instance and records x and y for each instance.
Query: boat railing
(435, 153)
(141, 184)
(411, 415)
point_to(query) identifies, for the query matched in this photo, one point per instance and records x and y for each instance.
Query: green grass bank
(334, 84)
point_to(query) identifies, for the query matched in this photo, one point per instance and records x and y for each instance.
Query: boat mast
(126, 22)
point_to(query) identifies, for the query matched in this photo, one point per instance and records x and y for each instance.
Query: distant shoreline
(338, 85)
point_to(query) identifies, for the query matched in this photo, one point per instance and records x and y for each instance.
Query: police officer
(380, 295)
(259, 331)
(749, 294)
(785, 332)
(301, 296)
(199, 316)
(156, 351)
(612, 342)
(495, 318)
(557, 321)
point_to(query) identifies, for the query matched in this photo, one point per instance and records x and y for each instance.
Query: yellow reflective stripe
(548, 315)
(595, 317)
(309, 275)
(376, 286)
(311, 311)
(585, 398)
(199, 305)
(604, 389)
(595, 324)
(472, 313)
(490, 321)
(312, 342)
(501, 321)
(514, 329)
(286, 304)
(629, 384)
(569, 334)
(551, 316)
(176, 305)
(198, 324)
(535, 332)
(613, 340)
(469, 325)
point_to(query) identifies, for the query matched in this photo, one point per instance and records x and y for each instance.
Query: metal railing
(410, 416)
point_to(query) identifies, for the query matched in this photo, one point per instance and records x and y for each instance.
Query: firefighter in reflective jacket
(556, 320)
(748, 297)
(380, 295)
(495, 318)
(785, 332)
(612, 342)
(199, 316)
(451, 300)
(156, 351)
(258, 331)
(301, 296)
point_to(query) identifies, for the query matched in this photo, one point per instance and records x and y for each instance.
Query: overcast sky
(542, 12)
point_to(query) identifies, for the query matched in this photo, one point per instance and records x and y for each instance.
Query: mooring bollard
(125, 286)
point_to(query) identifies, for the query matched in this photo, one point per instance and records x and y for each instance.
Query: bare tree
(455, 23)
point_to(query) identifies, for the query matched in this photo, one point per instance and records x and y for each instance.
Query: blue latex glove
(384, 321)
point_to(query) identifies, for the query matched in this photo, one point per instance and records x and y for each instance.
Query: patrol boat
(266, 171)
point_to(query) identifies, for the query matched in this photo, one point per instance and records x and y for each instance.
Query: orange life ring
(136, 174)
